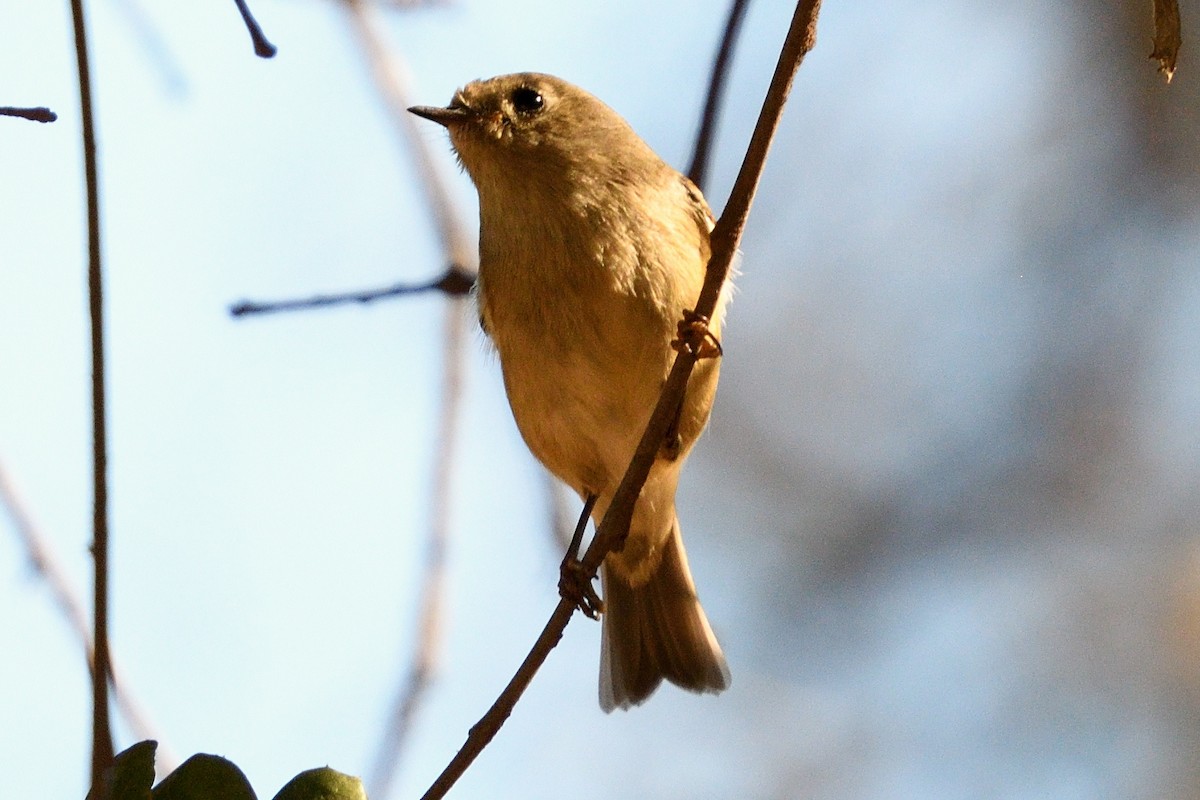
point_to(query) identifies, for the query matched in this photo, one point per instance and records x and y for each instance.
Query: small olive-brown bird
(590, 250)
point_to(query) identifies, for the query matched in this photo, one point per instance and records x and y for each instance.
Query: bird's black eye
(527, 101)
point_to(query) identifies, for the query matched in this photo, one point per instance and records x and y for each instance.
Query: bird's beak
(449, 117)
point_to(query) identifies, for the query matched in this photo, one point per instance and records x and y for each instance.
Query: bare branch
(429, 623)
(155, 47)
(698, 171)
(456, 282)
(102, 744)
(391, 78)
(800, 40)
(38, 114)
(43, 562)
(46, 565)
(1167, 36)
(262, 47)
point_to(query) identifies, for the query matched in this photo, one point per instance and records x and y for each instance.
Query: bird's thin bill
(442, 116)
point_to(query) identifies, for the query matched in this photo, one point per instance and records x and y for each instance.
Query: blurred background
(945, 518)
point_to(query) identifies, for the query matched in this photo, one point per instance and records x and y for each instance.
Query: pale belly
(582, 411)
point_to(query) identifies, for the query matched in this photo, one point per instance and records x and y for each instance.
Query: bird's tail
(657, 630)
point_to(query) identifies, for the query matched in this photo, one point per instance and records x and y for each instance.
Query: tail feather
(657, 630)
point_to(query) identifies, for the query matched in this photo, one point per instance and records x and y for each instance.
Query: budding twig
(800, 40)
(455, 282)
(262, 47)
(37, 114)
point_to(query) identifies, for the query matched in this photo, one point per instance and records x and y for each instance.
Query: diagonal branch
(391, 81)
(698, 171)
(46, 565)
(391, 78)
(800, 40)
(427, 651)
(562, 519)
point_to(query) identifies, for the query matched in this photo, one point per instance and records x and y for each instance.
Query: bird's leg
(573, 585)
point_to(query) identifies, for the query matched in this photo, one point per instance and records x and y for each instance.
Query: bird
(591, 249)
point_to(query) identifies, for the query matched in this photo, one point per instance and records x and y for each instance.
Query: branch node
(457, 281)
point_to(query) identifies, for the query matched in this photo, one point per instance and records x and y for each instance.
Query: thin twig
(455, 282)
(390, 76)
(153, 44)
(800, 40)
(102, 744)
(37, 114)
(698, 171)
(427, 651)
(47, 566)
(262, 47)
(391, 80)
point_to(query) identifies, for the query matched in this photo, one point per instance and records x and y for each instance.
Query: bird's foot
(575, 586)
(694, 336)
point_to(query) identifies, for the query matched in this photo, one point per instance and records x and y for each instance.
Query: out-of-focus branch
(391, 81)
(262, 47)
(46, 565)
(38, 114)
(1167, 36)
(427, 650)
(153, 44)
(391, 77)
(455, 282)
(613, 528)
(698, 171)
(102, 744)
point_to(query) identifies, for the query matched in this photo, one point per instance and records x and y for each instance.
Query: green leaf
(322, 784)
(132, 773)
(205, 777)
